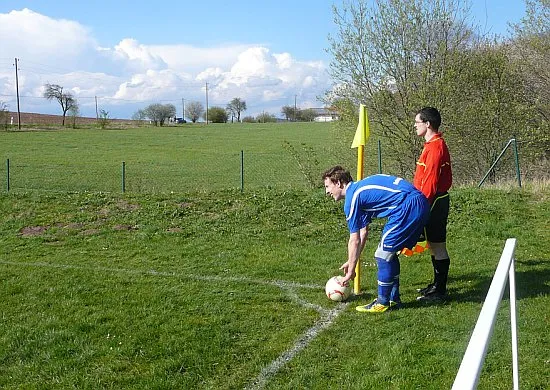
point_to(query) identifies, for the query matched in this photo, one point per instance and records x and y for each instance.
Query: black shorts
(436, 228)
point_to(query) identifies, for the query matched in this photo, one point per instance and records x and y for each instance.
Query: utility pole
(206, 103)
(295, 108)
(96, 112)
(183, 112)
(17, 91)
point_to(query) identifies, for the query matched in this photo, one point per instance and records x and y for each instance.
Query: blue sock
(394, 295)
(388, 280)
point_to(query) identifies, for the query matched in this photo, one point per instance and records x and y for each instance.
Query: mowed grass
(164, 159)
(206, 290)
(214, 288)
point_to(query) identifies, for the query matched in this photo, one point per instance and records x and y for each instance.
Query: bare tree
(4, 114)
(235, 107)
(139, 116)
(194, 111)
(74, 112)
(65, 99)
(158, 113)
(103, 119)
(396, 56)
(533, 52)
(289, 112)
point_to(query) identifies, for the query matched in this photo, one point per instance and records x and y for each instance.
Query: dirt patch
(124, 227)
(126, 206)
(103, 212)
(74, 226)
(90, 232)
(32, 231)
(32, 118)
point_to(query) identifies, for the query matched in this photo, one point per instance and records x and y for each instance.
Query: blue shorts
(405, 226)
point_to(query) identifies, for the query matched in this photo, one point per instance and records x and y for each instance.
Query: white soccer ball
(335, 291)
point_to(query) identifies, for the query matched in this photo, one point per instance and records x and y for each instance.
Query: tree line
(396, 56)
(159, 114)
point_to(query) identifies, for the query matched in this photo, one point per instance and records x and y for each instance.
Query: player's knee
(439, 250)
(382, 254)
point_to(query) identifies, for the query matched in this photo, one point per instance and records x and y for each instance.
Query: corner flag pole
(359, 141)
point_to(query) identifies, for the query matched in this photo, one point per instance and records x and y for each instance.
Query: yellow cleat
(373, 307)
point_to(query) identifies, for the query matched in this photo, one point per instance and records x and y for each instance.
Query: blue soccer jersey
(385, 196)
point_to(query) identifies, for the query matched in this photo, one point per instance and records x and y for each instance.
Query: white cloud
(284, 60)
(30, 35)
(137, 57)
(269, 78)
(187, 58)
(125, 76)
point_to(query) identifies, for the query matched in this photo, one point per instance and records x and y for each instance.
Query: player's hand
(349, 273)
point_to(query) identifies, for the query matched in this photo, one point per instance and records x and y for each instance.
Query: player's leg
(436, 234)
(388, 282)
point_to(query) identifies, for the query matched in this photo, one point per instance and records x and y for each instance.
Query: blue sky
(133, 53)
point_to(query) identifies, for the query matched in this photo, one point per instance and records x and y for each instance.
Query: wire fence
(244, 172)
(161, 167)
(207, 172)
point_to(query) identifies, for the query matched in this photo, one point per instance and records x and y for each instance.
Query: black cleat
(433, 297)
(429, 289)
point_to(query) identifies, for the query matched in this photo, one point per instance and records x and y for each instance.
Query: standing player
(378, 196)
(434, 177)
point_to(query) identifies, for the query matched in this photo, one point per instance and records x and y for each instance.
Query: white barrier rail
(472, 362)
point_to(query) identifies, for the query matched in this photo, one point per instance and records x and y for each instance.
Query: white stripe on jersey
(364, 188)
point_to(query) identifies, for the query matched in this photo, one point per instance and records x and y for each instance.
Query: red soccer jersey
(433, 170)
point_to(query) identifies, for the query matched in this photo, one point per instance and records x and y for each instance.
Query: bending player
(378, 196)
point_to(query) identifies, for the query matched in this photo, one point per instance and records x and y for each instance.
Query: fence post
(514, 323)
(8, 174)
(470, 368)
(123, 177)
(517, 161)
(495, 163)
(242, 170)
(379, 157)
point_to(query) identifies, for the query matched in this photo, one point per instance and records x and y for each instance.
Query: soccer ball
(335, 291)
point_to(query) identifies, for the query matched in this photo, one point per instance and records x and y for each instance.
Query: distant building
(325, 114)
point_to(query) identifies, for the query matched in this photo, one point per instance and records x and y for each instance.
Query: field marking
(326, 319)
(278, 283)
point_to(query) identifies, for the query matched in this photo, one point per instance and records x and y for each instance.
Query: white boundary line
(278, 283)
(326, 319)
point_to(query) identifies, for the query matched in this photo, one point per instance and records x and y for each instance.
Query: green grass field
(165, 159)
(223, 289)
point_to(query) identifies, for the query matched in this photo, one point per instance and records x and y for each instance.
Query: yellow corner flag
(359, 142)
(363, 132)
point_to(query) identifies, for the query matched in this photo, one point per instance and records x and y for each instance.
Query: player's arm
(354, 251)
(364, 234)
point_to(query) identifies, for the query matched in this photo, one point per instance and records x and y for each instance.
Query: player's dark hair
(432, 115)
(337, 174)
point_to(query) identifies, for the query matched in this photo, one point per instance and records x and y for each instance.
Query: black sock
(441, 268)
(435, 272)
